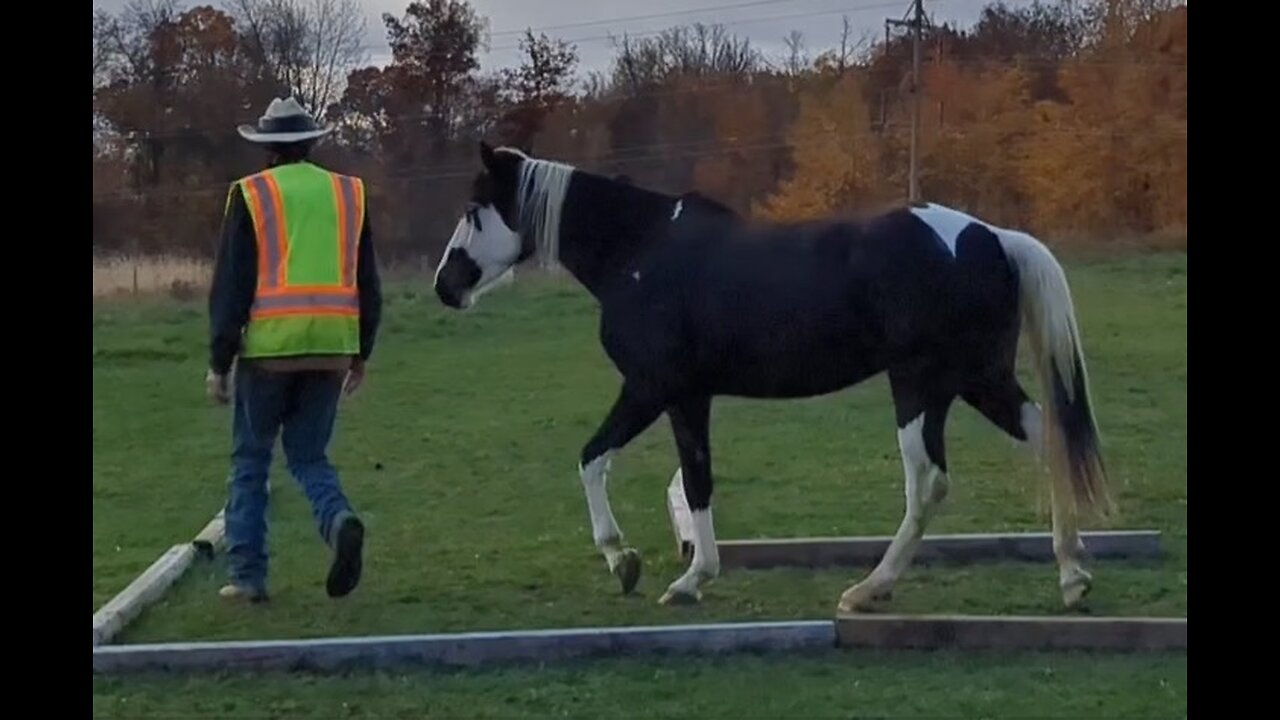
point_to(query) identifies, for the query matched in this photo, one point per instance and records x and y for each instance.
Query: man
(295, 306)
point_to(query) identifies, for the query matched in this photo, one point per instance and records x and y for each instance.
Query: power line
(651, 16)
(647, 33)
(655, 152)
(729, 23)
(711, 86)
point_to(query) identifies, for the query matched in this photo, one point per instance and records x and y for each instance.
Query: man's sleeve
(370, 290)
(235, 274)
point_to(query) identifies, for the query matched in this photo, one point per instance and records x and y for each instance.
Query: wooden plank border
(958, 549)
(464, 649)
(212, 538)
(970, 632)
(818, 552)
(143, 591)
(479, 649)
(152, 584)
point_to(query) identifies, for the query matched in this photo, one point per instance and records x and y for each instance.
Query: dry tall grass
(176, 276)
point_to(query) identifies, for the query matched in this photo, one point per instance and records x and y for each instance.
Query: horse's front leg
(632, 412)
(690, 421)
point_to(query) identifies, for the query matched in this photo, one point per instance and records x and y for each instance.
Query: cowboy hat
(284, 122)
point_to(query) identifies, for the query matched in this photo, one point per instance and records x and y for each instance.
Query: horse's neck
(605, 226)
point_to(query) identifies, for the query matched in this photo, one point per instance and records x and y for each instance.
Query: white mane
(540, 193)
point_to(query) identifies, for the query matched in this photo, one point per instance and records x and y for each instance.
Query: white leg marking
(1073, 579)
(705, 565)
(926, 487)
(604, 528)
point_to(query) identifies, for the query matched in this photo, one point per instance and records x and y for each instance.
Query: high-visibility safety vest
(307, 224)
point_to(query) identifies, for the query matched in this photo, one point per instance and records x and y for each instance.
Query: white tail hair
(540, 194)
(1071, 440)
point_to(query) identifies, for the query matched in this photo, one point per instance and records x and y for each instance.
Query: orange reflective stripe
(326, 302)
(334, 290)
(346, 193)
(282, 231)
(264, 226)
(321, 311)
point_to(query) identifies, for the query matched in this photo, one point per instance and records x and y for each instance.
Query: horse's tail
(1071, 443)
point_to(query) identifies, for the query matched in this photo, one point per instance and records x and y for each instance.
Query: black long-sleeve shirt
(235, 276)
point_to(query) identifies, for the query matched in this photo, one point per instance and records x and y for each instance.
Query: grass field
(461, 455)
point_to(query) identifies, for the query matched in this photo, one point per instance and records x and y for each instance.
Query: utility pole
(916, 24)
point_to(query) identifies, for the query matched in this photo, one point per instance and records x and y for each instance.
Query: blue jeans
(304, 405)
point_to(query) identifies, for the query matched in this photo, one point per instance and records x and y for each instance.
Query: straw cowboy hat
(284, 122)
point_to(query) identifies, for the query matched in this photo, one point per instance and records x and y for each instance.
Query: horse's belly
(795, 370)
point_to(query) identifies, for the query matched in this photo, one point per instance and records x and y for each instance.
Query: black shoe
(348, 546)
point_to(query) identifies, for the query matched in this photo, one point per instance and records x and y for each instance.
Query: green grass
(477, 520)
(833, 684)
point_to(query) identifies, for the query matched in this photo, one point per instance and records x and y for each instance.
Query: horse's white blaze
(706, 556)
(675, 213)
(492, 246)
(604, 529)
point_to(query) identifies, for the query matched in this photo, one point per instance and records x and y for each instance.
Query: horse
(696, 301)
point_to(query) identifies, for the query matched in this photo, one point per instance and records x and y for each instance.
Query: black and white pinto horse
(698, 302)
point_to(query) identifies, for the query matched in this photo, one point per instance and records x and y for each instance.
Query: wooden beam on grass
(969, 632)
(819, 552)
(957, 549)
(473, 649)
(143, 591)
(151, 585)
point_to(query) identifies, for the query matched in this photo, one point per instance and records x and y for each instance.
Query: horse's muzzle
(456, 278)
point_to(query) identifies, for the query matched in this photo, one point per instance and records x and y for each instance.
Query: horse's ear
(487, 155)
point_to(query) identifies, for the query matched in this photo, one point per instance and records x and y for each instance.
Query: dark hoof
(628, 570)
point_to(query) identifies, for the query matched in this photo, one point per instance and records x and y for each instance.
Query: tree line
(1067, 118)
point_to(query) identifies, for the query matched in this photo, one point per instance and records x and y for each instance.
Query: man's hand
(355, 376)
(216, 387)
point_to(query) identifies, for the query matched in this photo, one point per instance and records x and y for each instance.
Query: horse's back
(797, 309)
(776, 311)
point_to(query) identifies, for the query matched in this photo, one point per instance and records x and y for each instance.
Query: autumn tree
(746, 159)
(537, 87)
(418, 115)
(1067, 118)
(435, 53)
(706, 51)
(836, 167)
(306, 47)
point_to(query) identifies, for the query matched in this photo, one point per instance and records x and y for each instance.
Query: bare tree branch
(307, 46)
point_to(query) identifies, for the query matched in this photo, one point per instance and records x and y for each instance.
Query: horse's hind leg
(630, 415)
(921, 407)
(690, 422)
(1007, 406)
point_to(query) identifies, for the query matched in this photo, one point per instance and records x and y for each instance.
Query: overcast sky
(765, 22)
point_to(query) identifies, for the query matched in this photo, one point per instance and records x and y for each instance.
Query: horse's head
(487, 242)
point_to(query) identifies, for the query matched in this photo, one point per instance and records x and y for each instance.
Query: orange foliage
(1065, 119)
